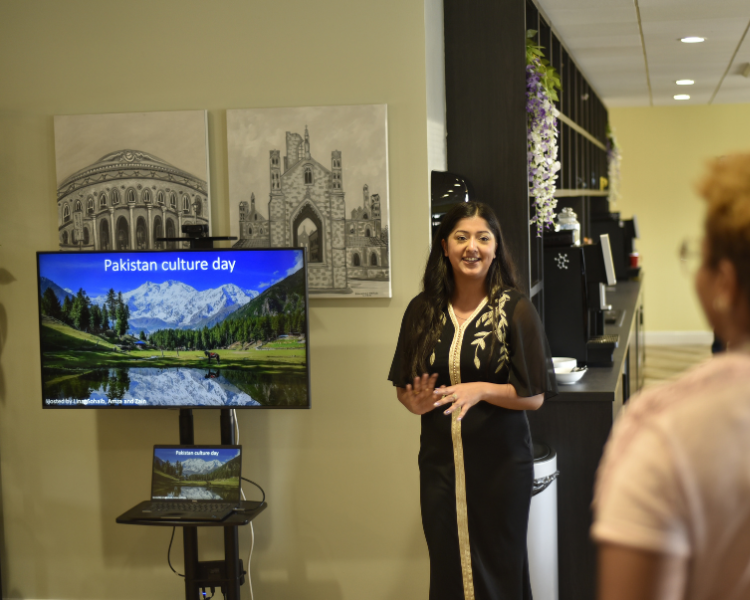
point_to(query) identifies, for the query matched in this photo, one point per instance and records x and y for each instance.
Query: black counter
(576, 424)
(606, 384)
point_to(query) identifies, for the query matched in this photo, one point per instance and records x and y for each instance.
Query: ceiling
(613, 41)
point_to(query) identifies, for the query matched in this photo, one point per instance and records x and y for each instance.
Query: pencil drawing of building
(126, 200)
(306, 207)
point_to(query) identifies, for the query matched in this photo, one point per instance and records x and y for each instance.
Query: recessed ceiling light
(692, 40)
(684, 82)
(682, 97)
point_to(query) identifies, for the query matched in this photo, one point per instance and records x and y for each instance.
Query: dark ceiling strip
(729, 66)
(645, 57)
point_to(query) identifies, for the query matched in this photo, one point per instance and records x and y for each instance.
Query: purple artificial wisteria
(614, 158)
(542, 135)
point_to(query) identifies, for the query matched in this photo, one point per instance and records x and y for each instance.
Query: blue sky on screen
(220, 454)
(247, 269)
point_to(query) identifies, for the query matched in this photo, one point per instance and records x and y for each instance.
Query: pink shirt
(675, 476)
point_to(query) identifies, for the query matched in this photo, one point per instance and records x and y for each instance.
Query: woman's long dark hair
(438, 285)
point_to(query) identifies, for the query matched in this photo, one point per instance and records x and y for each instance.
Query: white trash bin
(542, 536)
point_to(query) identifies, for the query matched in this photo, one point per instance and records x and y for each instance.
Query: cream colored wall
(664, 153)
(342, 481)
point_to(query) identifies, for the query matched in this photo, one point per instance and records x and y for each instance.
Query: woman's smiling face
(470, 248)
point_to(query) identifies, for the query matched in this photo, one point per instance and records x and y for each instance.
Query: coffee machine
(575, 283)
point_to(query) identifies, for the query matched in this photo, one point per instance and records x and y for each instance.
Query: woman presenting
(483, 342)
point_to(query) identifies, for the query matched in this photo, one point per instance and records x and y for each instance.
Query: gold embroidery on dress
(501, 325)
(462, 514)
(442, 322)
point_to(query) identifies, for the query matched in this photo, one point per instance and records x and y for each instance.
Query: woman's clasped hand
(460, 397)
(422, 396)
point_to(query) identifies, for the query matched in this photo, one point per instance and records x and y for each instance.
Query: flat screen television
(221, 328)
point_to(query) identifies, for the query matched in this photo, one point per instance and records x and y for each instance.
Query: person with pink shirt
(672, 497)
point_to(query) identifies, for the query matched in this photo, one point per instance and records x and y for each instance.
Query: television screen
(174, 329)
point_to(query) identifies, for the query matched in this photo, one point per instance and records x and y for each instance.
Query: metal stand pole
(231, 534)
(189, 534)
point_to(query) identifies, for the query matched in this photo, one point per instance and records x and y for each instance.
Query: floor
(666, 362)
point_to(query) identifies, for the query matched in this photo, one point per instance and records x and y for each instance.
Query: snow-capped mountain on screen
(61, 293)
(174, 304)
(198, 466)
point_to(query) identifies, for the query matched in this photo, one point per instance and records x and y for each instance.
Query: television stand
(228, 574)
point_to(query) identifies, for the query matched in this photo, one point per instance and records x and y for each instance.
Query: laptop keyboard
(198, 507)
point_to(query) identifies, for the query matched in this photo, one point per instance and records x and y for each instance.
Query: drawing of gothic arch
(141, 235)
(104, 235)
(170, 233)
(315, 241)
(158, 232)
(122, 235)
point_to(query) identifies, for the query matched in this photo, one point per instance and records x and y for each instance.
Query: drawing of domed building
(126, 200)
(306, 208)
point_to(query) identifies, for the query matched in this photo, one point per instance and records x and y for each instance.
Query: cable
(169, 551)
(249, 556)
(237, 441)
(256, 485)
(252, 529)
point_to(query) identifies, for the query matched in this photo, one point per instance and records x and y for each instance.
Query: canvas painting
(317, 178)
(126, 180)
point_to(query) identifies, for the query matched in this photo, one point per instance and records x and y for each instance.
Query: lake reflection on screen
(143, 386)
(195, 492)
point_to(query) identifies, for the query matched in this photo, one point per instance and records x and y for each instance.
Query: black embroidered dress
(476, 474)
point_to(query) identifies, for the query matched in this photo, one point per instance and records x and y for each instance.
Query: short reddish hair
(726, 189)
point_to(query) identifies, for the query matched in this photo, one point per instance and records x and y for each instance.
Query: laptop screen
(196, 473)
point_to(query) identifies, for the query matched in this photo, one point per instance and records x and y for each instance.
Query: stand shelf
(228, 574)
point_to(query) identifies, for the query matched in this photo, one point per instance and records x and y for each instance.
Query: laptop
(193, 483)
